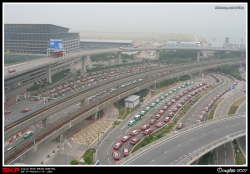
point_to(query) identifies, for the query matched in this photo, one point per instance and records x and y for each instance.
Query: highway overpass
(56, 129)
(189, 144)
(49, 108)
(48, 62)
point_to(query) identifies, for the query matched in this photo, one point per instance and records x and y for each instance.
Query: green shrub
(74, 162)
(88, 159)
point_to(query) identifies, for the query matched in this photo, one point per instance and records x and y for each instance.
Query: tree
(87, 159)
(73, 162)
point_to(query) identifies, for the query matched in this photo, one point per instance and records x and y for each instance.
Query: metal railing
(202, 151)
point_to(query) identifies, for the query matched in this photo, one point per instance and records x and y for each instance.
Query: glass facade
(34, 38)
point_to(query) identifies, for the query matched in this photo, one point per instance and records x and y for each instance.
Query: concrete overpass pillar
(84, 64)
(119, 58)
(157, 54)
(198, 55)
(48, 73)
(95, 116)
(44, 122)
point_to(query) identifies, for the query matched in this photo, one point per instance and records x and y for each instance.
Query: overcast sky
(198, 19)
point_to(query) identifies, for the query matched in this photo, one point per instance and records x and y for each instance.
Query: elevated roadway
(44, 111)
(72, 56)
(190, 143)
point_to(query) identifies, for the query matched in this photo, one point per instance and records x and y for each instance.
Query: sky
(186, 18)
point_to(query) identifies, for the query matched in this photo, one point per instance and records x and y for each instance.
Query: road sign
(97, 162)
(233, 87)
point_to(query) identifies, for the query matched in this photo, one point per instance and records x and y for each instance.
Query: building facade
(34, 38)
(132, 101)
(235, 45)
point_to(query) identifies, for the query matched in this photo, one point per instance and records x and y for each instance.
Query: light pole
(64, 147)
(234, 92)
(98, 145)
(40, 85)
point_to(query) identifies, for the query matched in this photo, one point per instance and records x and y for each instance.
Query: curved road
(187, 142)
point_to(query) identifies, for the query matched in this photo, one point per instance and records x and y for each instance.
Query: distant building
(132, 101)
(104, 44)
(235, 45)
(34, 38)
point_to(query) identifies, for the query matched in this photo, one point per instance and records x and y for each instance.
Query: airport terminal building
(35, 38)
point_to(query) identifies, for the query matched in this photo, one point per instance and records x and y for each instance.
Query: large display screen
(56, 44)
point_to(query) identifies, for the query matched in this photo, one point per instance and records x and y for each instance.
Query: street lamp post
(234, 92)
(64, 147)
(98, 146)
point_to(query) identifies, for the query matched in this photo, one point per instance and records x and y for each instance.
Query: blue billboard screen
(56, 44)
(226, 40)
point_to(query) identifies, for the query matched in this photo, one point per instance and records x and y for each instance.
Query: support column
(198, 55)
(44, 122)
(84, 64)
(48, 73)
(94, 116)
(157, 54)
(119, 58)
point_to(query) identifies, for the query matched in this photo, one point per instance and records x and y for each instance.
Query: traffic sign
(233, 87)
(97, 162)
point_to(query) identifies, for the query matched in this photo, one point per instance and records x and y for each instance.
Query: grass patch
(128, 111)
(232, 110)
(88, 157)
(116, 122)
(211, 114)
(240, 159)
(235, 105)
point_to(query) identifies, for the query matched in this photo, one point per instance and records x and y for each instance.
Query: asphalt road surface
(172, 151)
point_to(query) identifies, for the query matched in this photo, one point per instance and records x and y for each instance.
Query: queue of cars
(147, 128)
(205, 111)
(11, 70)
(152, 105)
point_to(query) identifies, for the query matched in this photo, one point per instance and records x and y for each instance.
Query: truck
(58, 54)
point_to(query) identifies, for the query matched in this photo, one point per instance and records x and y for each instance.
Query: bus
(57, 54)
